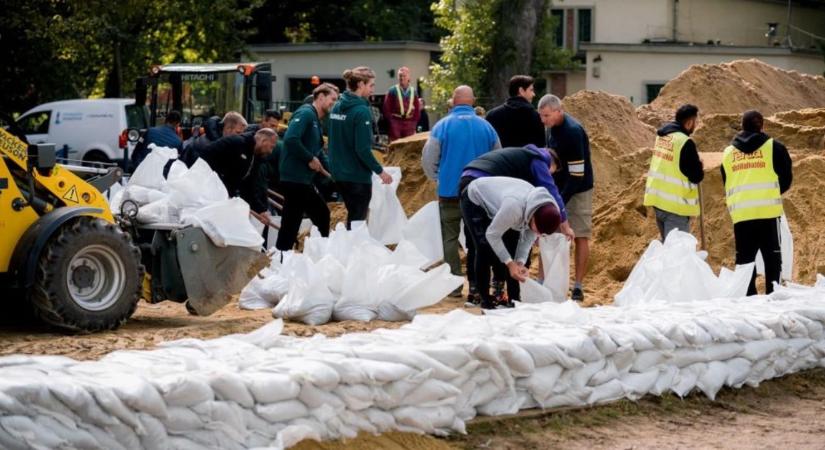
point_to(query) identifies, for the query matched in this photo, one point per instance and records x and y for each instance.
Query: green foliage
(57, 49)
(281, 21)
(546, 55)
(470, 33)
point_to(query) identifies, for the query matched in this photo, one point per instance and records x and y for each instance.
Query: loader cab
(200, 91)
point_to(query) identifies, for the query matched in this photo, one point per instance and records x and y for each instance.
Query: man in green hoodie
(350, 144)
(302, 159)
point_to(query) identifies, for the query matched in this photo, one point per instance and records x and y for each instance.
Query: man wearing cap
(401, 107)
(492, 205)
(756, 171)
(532, 164)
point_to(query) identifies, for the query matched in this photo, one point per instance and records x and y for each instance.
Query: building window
(558, 31)
(572, 27)
(585, 25)
(652, 90)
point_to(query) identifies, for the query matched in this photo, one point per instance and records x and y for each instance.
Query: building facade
(294, 65)
(633, 47)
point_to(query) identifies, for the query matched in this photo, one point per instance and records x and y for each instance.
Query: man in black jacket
(516, 121)
(756, 171)
(233, 158)
(574, 178)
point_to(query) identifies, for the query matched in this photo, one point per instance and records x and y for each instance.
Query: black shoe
(488, 304)
(577, 295)
(473, 298)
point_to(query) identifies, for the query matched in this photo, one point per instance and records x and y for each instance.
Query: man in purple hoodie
(532, 164)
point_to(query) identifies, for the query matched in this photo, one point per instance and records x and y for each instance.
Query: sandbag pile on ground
(264, 389)
(348, 276)
(674, 272)
(190, 196)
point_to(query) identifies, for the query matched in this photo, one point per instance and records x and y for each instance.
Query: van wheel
(92, 157)
(88, 278)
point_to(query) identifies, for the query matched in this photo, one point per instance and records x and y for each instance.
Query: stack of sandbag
(676, 272)
(348, 276)
(264, 389)
(190, 196)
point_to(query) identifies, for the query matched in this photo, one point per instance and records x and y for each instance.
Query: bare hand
(517, 271)
(567, 231)
(385, 177)
(315, 165)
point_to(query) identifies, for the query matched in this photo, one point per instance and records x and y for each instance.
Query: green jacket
(350, 140)
(302, 142)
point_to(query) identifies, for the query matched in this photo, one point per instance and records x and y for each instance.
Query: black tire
(73, 261)
(93, 157)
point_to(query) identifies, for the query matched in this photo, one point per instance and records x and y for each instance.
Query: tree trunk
(512, 52)
(114, 80)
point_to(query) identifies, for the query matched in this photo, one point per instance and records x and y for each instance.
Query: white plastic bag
(423, 230)
(149, 173)
(386, 215)
(533, 292)
(555, 257)
(226, 223)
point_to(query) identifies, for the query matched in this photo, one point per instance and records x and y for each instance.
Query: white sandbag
(310, 304)
(142, 195)
(199, 186)
(386, 215)
(676, 272)
(226, 223)
(533, 292)
(250, 297)
(555, 259)
(786, 248)
(428, 289)
(149, 173)
(407, 254)
(423, 230)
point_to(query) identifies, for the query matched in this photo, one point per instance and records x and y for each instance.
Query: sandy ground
(783, 413)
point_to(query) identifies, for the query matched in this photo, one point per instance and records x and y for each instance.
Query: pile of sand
(731, 88)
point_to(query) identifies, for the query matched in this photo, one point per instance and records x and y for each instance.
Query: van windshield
(137, 116)
(199, 94)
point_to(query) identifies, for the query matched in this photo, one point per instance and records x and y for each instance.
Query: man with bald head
(460, 137)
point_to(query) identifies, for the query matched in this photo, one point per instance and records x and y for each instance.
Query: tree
(71, 48)
(282, 21)
(489, 41)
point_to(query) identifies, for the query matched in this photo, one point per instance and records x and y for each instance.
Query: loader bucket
(211, 274)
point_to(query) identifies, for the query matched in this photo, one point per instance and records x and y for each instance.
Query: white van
(84, 130)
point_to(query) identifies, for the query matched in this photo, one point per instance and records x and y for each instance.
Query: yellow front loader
(78, 267)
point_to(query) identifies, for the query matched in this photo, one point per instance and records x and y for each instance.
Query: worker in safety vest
(756, 170)
(675, 171)
(402, 108)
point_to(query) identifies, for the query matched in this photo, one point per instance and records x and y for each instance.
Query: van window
(136, 116)
(35, 123)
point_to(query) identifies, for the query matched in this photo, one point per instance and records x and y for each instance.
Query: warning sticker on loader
(71, 195)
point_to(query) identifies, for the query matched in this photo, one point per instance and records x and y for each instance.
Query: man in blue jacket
(165, 135)
(454, 141)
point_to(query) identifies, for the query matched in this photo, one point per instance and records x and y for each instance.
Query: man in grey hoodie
(493, 205)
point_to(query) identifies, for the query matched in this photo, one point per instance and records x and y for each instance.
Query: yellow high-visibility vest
(408, 112)
(751, 184)
(667, 188)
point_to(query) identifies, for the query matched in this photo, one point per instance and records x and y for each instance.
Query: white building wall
(743, 22)
(733, 22)
(626, 73)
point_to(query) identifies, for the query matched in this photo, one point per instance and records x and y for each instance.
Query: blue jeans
(667, 222)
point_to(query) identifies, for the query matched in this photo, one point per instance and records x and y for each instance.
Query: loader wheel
(88, 277)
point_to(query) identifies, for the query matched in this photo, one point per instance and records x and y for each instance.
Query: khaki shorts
(580, 213)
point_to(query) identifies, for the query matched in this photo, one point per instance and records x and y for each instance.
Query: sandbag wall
(263, 389)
